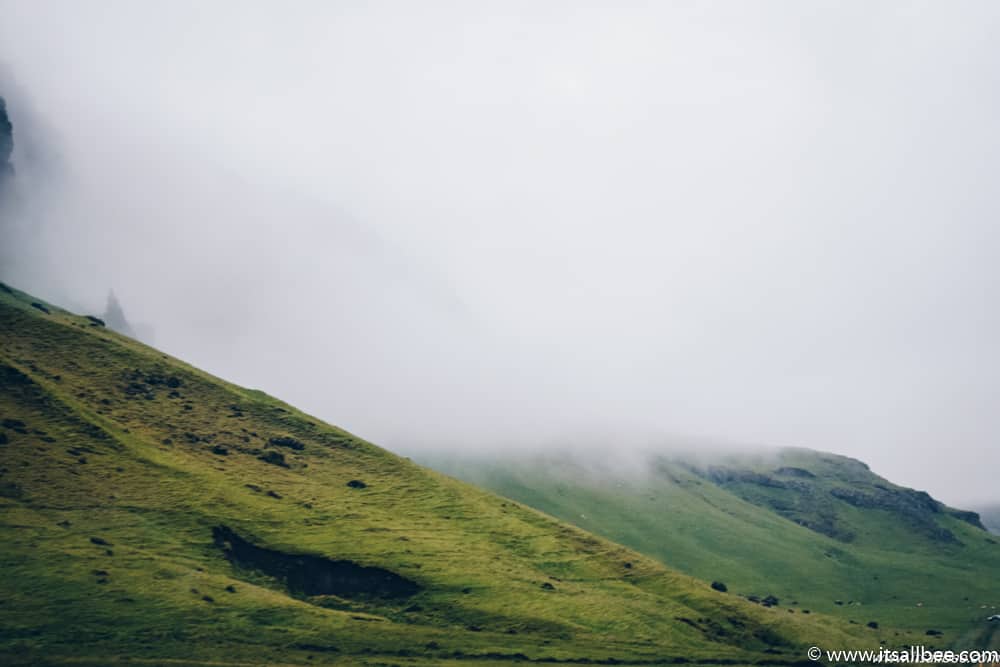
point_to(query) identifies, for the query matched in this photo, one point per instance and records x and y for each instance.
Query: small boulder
(289, 442)
(274, 458)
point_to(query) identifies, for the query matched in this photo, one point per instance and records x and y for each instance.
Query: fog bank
(486, 225)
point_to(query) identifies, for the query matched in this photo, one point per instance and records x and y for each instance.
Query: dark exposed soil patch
(314, 575)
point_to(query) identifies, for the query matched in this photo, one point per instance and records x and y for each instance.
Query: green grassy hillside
(816, 531)
(152, 512)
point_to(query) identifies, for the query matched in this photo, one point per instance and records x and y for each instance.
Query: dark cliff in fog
(6, 142)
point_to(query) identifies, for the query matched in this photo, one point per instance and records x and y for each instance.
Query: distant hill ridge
(812, 529)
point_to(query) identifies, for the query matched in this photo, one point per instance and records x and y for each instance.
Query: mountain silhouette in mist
(6, 143)
(114, 316)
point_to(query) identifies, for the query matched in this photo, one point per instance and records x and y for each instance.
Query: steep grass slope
(814, 530)
(152, 512)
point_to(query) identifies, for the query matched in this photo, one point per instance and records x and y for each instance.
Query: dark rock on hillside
(969, 517)
(143, 384)
(797, 500)
(815, 500)
(899, 500)
(274, 458)
(790, 471)
(290, 443)
(314, 575)
(916, 508)
(721, 475)
(15, 425)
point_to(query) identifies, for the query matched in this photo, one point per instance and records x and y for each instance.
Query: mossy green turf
(887, 573)
(108, 451)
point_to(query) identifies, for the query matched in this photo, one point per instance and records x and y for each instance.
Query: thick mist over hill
(516, 225)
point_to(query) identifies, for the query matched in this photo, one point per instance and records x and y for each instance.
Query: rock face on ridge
(6, 143)
(114, 316)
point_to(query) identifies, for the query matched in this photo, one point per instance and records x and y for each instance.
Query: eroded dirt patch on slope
(314, 575)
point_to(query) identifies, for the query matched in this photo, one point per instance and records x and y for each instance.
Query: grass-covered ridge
(816, 531)
(153, 512)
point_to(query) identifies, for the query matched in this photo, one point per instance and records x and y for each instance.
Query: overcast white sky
(487, 224)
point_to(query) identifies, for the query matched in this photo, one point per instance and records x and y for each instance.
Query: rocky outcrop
(816, 501)
(797, 499)
(6, 140)
(916, 508)
(722, 475)
(790, 471)
(6, 149)
(906, 501)
(114, 316)
(969, 517)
